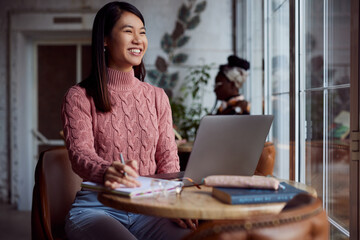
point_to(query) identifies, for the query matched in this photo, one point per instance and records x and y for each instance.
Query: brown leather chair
(54, 191)
(301, 218)
(266, 162)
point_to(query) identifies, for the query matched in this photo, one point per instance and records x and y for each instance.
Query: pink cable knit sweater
(139, 126)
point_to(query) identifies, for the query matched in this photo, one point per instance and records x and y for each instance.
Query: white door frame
(26, 28)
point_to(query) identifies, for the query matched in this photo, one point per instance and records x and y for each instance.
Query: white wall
(210, 43)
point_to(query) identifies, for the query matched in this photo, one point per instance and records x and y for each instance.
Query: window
(306, 86)
(277, 72)
(325, 95)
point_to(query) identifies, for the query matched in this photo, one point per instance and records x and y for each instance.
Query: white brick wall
(210, 43)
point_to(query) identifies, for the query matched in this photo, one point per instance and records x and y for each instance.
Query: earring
(104, 49)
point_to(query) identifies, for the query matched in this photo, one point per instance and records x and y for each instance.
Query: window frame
(354, 121)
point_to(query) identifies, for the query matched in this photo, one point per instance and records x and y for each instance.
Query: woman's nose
(137, 38)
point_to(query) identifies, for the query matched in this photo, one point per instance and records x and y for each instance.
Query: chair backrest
(54, 192)
(302, 218)
(266, 162)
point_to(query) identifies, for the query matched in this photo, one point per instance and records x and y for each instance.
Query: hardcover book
(251, 195)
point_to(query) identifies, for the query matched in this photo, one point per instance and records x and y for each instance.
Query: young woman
(228, 81)
(114, 112)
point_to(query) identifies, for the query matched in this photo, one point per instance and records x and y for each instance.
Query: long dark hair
(96, 83)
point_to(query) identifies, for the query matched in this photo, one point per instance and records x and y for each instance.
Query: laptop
(227, 145)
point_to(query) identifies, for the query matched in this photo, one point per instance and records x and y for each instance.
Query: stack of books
(232, 195)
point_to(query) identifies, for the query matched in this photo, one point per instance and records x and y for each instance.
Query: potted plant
(188, 109)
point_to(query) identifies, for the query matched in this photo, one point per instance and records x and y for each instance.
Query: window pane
(335, 234)
(339, 156)
(280, 128)
(338, 111)
(280, 47)
(250, 45)
(314, 43)
(278, 42)
(338, 42)
(314, 140)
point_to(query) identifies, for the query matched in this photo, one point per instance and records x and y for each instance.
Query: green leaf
(164, 81)
(180, 58)
(178, 31)
(153, 74)
(184, 13)
(194, 22)
(161, 64)
(167, 43)
(195, 91)
(174, 77)
(200, 7)
(182, 41)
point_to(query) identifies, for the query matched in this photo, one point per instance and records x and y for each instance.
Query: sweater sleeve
(79, 137)
(166, 156)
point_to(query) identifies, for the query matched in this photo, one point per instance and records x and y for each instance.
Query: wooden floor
(14, 225)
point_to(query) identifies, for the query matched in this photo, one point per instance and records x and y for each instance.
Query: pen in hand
(130, 181)
(123, 162)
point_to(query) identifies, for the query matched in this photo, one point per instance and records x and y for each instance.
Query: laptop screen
(227, 145)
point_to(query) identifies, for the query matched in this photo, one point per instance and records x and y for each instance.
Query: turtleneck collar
(121, 80)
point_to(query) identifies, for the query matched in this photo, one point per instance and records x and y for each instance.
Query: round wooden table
(193, 203)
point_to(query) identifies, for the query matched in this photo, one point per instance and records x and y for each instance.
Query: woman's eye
(142, 32)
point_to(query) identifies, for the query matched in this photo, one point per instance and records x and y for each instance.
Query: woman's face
(127, 43)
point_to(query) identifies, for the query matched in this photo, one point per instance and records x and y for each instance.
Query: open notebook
(149, 186)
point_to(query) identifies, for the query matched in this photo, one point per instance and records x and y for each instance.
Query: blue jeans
(90, 219)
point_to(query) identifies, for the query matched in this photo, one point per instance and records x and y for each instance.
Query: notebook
(227, 145)
(149, 186)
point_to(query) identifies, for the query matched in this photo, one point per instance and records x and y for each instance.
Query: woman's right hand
(186, 223)
(121, 174)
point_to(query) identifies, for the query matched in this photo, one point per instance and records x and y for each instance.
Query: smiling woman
(113, 113)
(127, 43)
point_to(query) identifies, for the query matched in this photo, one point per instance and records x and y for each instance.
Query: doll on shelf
(228, 81)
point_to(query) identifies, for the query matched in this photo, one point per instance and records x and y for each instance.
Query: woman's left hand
(186, 223)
